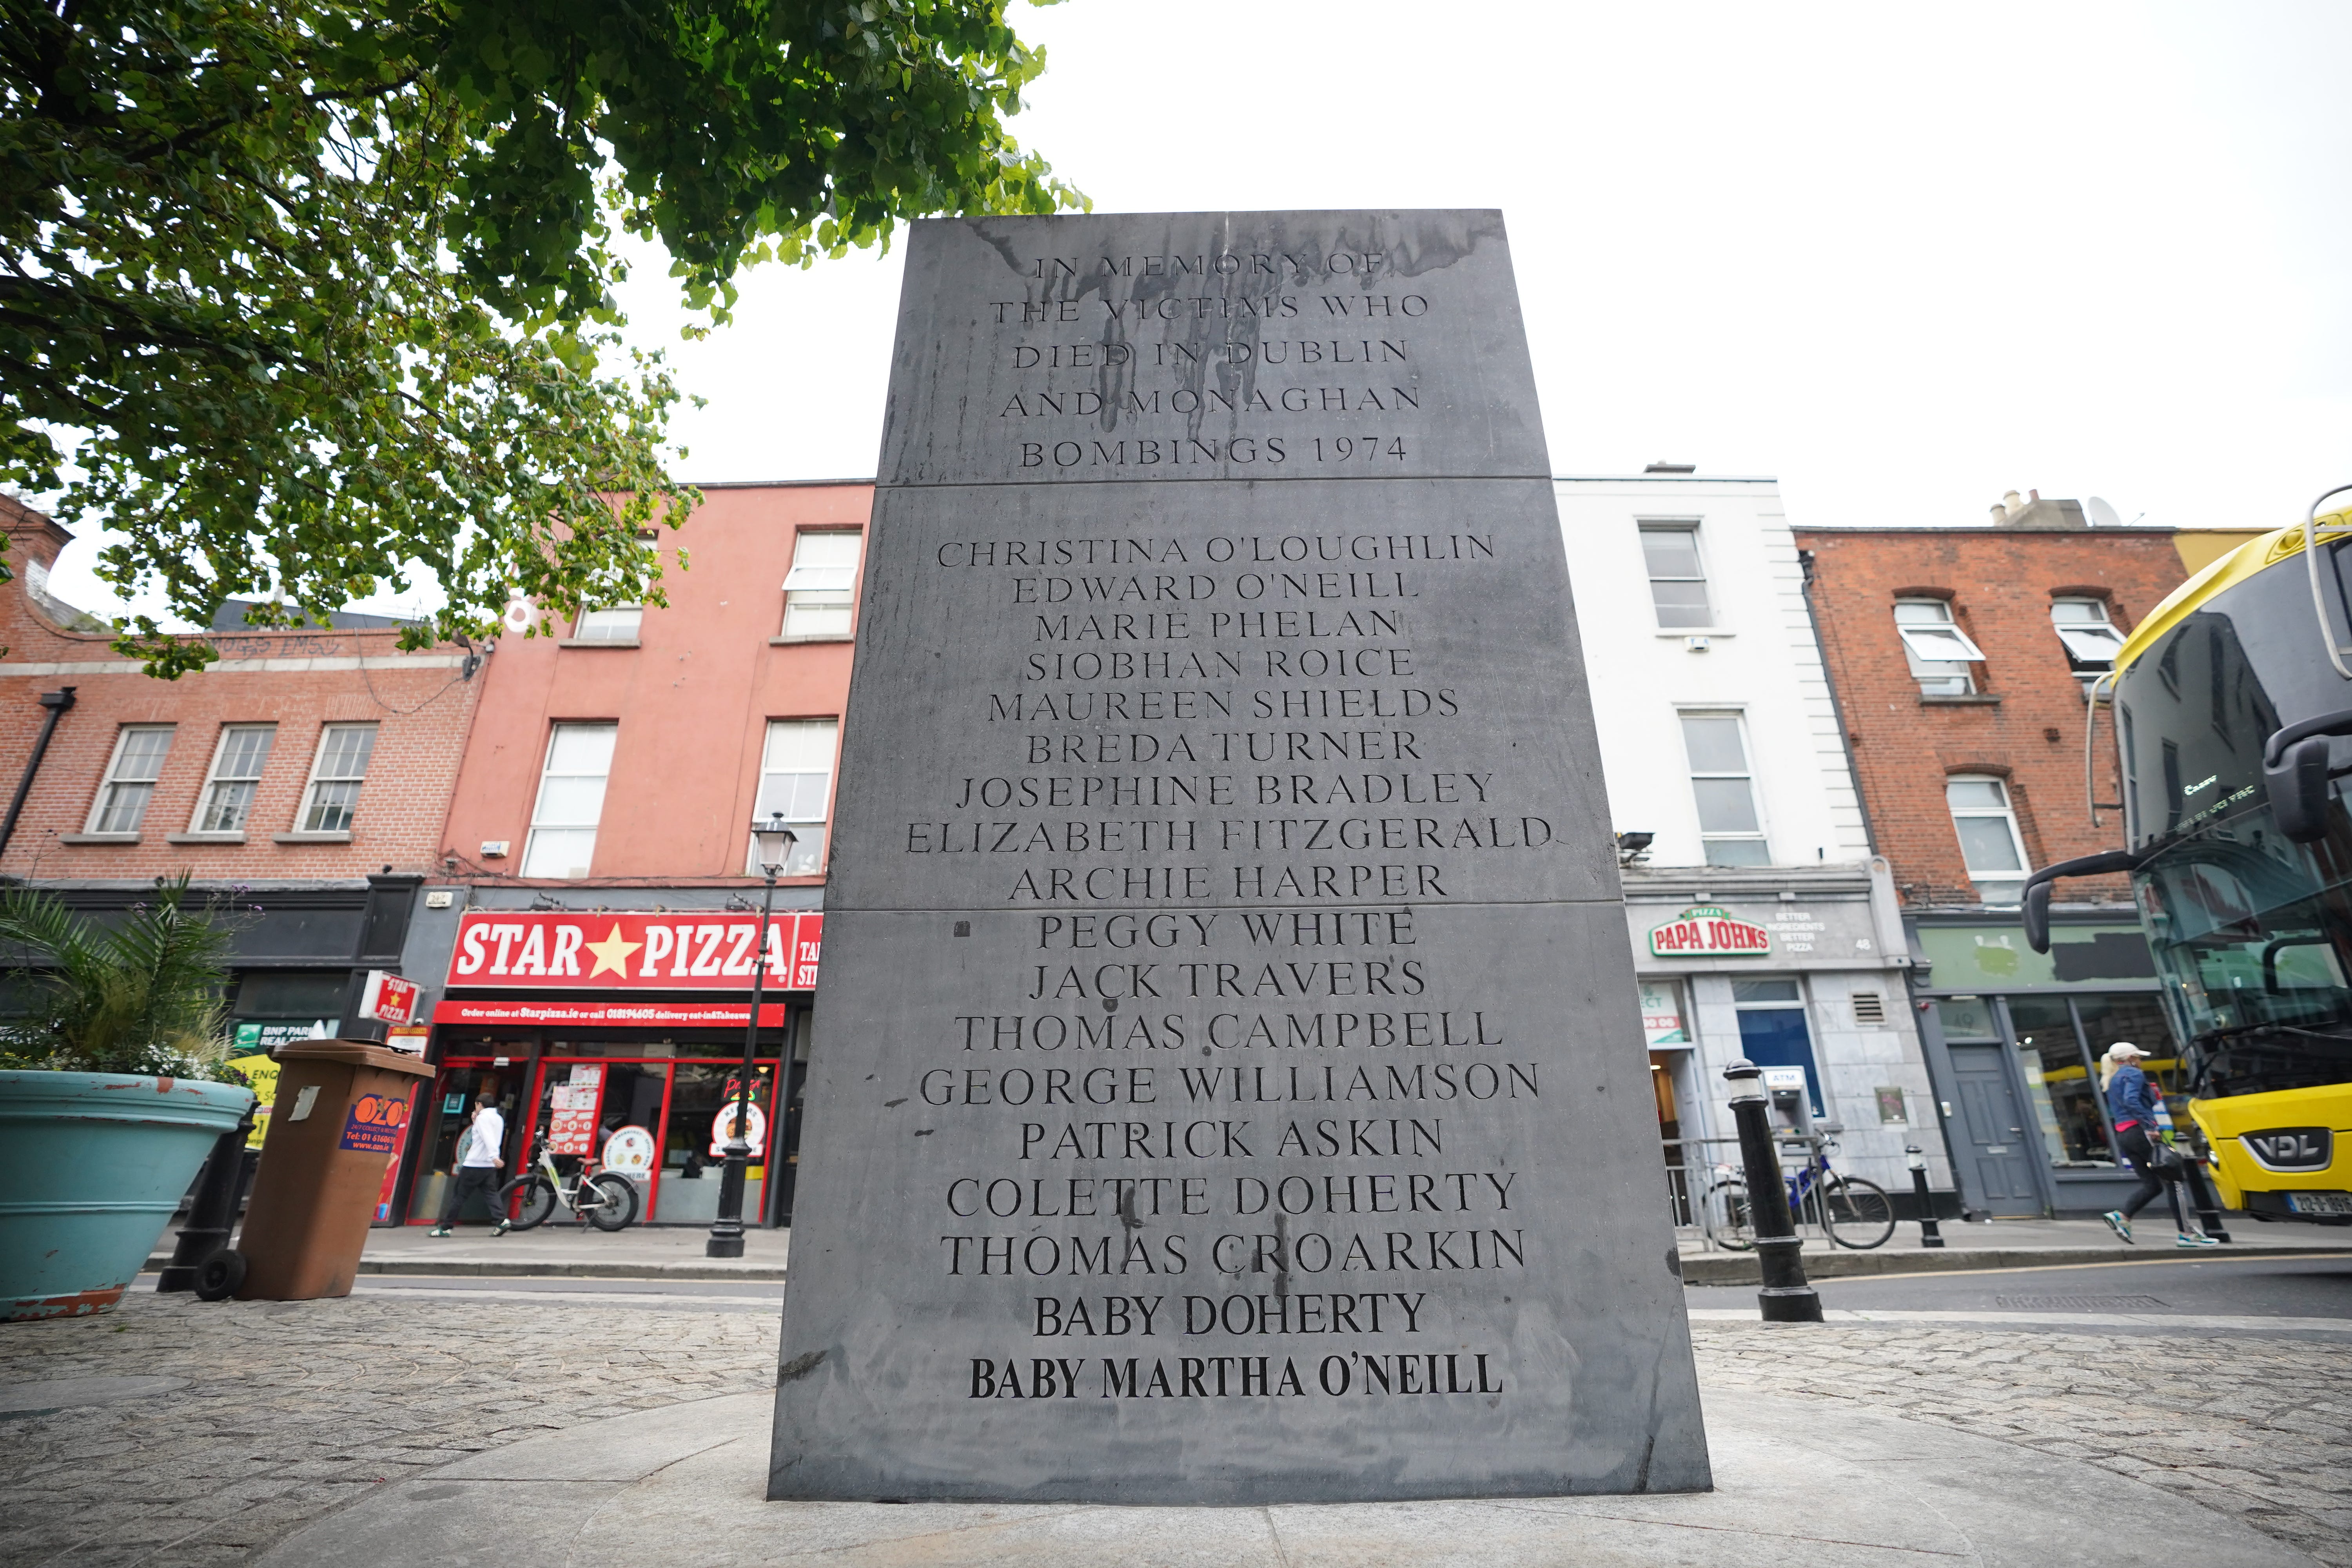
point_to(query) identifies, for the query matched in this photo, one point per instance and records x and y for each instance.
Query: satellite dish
(2101, 514)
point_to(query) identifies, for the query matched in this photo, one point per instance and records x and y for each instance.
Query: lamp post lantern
(774, 843)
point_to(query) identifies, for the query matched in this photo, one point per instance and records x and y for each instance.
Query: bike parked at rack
(1850, 1211)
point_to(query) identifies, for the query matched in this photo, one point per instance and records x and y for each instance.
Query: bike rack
(1688, 1201)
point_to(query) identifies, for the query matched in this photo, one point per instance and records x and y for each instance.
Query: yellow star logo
(613, 954)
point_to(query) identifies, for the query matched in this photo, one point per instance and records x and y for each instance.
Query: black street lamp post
(775, 842)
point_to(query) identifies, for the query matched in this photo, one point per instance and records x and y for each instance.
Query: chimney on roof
(2038, 516)
(38, 535)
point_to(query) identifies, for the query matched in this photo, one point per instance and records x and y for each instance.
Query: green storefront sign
(1996, 958)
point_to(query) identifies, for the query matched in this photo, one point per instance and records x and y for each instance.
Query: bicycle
(1852, 1212)
(601, 1198)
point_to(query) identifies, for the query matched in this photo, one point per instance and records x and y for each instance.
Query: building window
(2090, 637)
(2108, 1020)
(1678, 582)
(1727, 822)
(237, 762)
(137, 762)
(2062, 1087)
(796, 781)
(1773, 1031)
(2128, 746)
(571, 801)
(1989, 844)
(2217, 682)
(1938, 652)
(1662, 1024)
(818, 590)
(620, 623)
(335, 778)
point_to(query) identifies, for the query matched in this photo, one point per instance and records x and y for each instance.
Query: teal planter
(91, 1166)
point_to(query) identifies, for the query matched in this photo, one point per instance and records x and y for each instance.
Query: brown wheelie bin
(341, 1106)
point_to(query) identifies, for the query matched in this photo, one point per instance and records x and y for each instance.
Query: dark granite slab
(1229, 1087)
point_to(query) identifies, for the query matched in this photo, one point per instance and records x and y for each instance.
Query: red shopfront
(621, 1034)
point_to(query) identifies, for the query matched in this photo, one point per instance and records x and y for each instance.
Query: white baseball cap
(2122, 1049)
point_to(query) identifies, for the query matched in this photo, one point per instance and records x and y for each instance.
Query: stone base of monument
(1797, 1483)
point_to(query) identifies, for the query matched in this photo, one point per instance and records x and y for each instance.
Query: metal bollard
(1929, 1236)
(213, 1214)
(2201, 1192)
(1785, 1298)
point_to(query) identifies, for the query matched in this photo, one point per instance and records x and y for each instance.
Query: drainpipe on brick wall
(1837, 709)
(56, 702)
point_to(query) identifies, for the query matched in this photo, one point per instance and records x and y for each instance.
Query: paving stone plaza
(236, 1425)
(291, 1410)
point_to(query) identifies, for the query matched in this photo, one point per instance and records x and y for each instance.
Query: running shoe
(438, 1230)
(2117, 1223)
(2195, 1242)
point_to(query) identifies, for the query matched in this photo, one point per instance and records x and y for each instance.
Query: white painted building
(1720, 741)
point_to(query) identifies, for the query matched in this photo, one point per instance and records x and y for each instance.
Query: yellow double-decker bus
(2232, 724)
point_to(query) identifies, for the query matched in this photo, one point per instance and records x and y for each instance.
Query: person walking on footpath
(2131, 1106)
(479, 1160)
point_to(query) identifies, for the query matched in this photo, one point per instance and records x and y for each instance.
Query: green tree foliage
(141, 995)
(328, 283)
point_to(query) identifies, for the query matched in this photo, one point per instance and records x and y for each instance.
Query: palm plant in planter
(112, 1036)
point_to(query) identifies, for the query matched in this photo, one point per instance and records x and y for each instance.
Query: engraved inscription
(1263, 818)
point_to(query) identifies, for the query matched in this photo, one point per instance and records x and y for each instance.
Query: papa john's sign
(1710, 929)
(708, 949)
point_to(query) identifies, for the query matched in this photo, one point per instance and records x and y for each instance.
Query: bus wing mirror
(2037, 917)
(2294, 775)
(2297, 785)
(2036, 899)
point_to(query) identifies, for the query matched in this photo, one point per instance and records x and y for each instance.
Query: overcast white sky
(1902, 259)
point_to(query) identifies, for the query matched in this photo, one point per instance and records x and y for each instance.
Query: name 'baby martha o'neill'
(1206, 1377)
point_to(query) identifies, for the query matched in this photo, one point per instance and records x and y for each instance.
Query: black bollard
(1929, 1236)
(2201, 1192)
(213, 1214)
(1786, 1298)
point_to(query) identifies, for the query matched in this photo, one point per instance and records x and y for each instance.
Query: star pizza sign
(690, 950)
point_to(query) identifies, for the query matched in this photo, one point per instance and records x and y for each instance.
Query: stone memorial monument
(1228, 1085)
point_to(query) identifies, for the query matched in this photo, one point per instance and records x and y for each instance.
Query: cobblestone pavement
(291, 1410)
(2257, 1427)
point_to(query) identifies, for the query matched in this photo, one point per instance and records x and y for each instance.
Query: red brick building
(680, 705)
(2015, 714)
(1960, 660)
(312, 769)
(615, 767)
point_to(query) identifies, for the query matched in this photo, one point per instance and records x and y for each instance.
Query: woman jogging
(2131, 1106)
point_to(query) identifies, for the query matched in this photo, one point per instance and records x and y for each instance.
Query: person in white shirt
(480, 1156)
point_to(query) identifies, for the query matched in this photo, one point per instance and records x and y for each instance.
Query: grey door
(1994, 1138)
